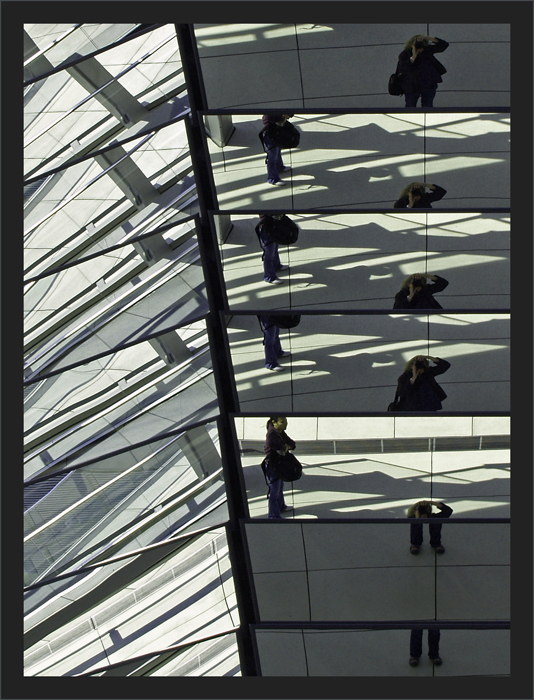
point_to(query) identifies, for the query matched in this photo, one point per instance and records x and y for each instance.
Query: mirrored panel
(383, 652)
(374, 467)
(358, 571)
(365, 261)
(362, 363)
(366, 160)
(348, 65)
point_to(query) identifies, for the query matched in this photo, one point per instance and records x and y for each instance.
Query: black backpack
(282, 231)
(285, 321)
(285, 136)
(287, 467)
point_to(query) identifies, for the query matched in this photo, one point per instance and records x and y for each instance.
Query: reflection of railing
(48, 443)
(141, 522)
(158, 277)
(389, 445)
(182, 558)
(148, 664)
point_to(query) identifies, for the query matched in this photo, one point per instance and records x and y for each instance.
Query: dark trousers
(427, 98)
(416, 643)
(276, 493)
(416, 534)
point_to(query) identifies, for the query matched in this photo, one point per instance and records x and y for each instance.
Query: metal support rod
(223, 374)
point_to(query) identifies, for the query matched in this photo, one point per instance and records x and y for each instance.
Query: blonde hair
(411, 42)
(406, 282)
(426, 508)
(406, 189)
(408, 365)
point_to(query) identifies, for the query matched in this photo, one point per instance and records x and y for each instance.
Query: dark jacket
(424, 202)
(271, 118)
(445, 512)
(423, 299)
(275, 441)
(425, 72)
(425, 394)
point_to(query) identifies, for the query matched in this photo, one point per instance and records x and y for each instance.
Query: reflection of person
(271, 344)
(417, 390)
(420, 70)
(416, 646)
(276, 441)
(423, 509)
(416, 293)
(271, 258)
(415, 196)
(274, 155)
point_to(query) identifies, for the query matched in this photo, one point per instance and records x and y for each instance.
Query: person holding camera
(416, 293)
(415, 196)
(276, 442)
(419, 69)
(423, 509)
(417, 389)
(274, 154)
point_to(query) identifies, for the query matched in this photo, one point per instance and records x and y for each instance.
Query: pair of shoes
(286, 509)
(414, 661)
(439, 549)
(278, 183)
(276, 368)
(274, 281)
(437, 661)
(275, 517)
(284, 353)
(285, 168)
(414, 549)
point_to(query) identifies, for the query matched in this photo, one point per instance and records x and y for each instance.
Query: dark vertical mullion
(222, 368)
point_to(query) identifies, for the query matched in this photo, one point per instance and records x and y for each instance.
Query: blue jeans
(276, 493)
(416, 643)
(271, 259)
(274, 160)
(427, 98)
(271, 344)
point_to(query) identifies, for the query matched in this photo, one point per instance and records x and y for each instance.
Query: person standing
(416, 293)
(416, 646)
(423, 510)
(415, 196)
(420, 70)
(276, 442)
(270, 257)
(274, 162)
